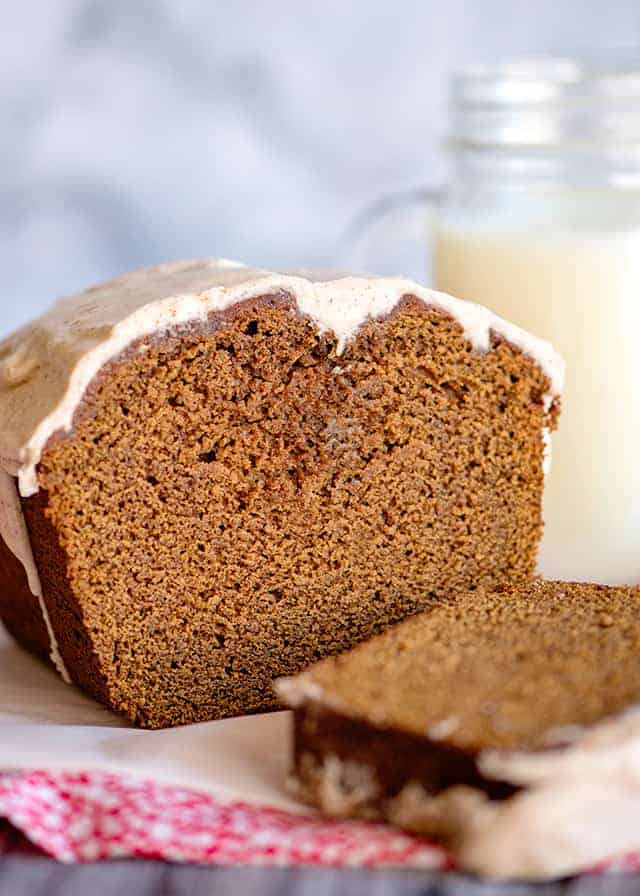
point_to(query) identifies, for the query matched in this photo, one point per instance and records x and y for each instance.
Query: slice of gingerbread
(504, 724)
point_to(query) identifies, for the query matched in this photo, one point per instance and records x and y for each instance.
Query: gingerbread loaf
(504, 723)
(213, 476)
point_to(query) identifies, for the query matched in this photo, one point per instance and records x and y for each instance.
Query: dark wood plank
(35, 876)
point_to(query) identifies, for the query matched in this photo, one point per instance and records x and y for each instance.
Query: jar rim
(548, 101)
(535, 79)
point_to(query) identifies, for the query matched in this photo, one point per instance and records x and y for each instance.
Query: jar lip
(548, 79)
(512, 164)
(616, 149)
(549, 101)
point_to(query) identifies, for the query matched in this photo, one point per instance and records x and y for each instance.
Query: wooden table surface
(35, 876)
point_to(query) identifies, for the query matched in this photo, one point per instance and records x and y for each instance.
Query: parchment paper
(46, 724)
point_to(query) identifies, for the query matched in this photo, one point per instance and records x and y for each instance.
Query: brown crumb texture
(392, 758)
(490, 670)
(236, 501)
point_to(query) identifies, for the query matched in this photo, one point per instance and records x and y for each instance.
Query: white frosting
(578, 807)
(15, 535)
(444, 728)
(345, 787)
(47, 365)
(297, 690)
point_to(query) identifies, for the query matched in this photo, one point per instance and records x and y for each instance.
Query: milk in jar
(575, 281)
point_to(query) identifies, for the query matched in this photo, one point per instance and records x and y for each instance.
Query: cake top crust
(47, 365)
(523, 669)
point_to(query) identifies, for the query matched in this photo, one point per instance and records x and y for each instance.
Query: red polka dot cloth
(82, 817)
(88, 816)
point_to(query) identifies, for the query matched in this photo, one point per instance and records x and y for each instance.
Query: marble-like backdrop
(135, 131)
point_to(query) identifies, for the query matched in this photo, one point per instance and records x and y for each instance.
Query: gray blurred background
(138, 131)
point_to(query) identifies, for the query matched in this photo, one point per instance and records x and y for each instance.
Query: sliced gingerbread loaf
(226, 474)
(505, 723)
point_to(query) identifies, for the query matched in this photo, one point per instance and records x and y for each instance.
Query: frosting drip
(14, 533)
(578, 806)
(46, 366)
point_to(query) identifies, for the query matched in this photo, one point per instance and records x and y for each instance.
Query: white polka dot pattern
(81, 817)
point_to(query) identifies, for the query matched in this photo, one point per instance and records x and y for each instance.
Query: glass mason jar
(540, 221)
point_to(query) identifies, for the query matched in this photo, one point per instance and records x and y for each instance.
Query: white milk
(580, 288)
